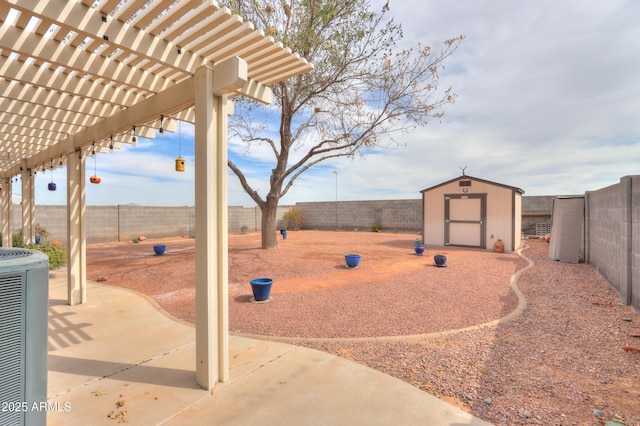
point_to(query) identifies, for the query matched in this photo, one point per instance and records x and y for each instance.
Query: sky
(548, 101)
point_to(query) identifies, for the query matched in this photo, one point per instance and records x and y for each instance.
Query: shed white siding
(474, 213)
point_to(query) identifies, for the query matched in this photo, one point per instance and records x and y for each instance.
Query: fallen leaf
(98, 393)
(630, 349)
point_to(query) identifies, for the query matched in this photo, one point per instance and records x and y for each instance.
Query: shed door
(464, 217)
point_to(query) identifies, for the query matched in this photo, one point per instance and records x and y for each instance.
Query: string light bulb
(134, 139)
(161, 130)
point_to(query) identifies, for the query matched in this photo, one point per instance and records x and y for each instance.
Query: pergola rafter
(67, 65)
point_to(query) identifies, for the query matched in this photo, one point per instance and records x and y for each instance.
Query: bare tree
(362, 92)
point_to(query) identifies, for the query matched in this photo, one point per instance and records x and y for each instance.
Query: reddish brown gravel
(561, 362)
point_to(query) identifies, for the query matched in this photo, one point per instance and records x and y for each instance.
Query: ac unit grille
(13, 254)
(12, 350)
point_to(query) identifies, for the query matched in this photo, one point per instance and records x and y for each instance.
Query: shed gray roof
(467, 177)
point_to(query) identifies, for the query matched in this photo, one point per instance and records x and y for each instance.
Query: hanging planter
(95, 178)
(51, 186)
(179, 164)
(261, 288)
(179, 160)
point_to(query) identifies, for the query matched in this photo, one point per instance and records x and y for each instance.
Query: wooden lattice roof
(67, 65)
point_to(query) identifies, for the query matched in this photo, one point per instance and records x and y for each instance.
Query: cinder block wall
(399, 215)
(612, 233)
(391, 215)
(126, 222)
(535, 209)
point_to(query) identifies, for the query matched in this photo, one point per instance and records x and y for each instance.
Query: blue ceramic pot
(261, 288)
(419, 250)
(440, 260)
(52, 186)
(159, 249)
(353, 260)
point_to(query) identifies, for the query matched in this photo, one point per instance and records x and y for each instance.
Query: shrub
(17, 238)
(42, 231)
(294, 219)
(376, 228)
(57, 254)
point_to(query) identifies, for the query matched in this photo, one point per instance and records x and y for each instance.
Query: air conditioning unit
(24, 300)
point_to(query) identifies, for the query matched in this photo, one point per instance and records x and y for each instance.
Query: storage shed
(472, 212)
(567, 232)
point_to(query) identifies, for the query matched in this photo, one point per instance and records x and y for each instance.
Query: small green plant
(57, 254)
(294, 219)
(17, 238)
(135, 241)
(376, 228)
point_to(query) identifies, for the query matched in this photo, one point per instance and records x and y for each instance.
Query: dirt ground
(392, 292)
(570, 359)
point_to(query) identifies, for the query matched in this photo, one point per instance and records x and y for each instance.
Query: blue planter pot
(159, 249)
(440, 260)
(353, 260)
(52, 186)
(419, 250)
(261, 288)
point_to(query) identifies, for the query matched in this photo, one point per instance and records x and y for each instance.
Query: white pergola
(79, 77)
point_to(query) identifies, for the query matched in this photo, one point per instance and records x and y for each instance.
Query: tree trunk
(269, 231)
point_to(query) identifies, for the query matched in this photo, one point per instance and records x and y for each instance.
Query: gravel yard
(561, 362)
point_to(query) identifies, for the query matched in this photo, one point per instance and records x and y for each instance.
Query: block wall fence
(612, 236)
(126, 222)
(612, 224)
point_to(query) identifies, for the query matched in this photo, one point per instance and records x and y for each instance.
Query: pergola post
(5, 200)
(28, 204)
(212, 331)
(76, 229)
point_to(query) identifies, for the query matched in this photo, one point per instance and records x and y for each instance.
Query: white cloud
(548, 101)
